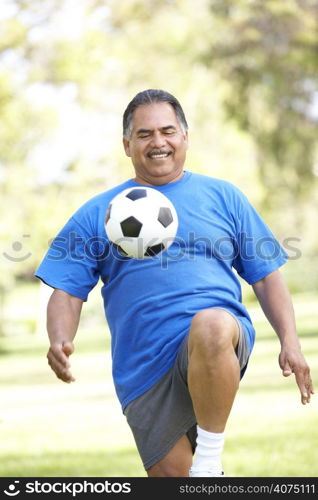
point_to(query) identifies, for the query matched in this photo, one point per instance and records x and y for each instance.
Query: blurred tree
(69, 67)
(267, 54)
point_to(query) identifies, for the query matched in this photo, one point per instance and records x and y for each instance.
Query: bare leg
(214, 372)
(176, 463)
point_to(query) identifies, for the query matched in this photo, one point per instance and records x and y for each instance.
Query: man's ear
(126, 144)
(186, 139)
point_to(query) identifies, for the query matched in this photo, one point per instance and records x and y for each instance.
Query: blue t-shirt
(149, 304)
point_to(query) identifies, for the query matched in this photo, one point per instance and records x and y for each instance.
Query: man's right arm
(63, 315)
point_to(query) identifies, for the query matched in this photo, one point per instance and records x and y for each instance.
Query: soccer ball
(141, 222)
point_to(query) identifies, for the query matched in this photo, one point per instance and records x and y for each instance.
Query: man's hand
(274, 297)
(291, 360)
(57, 356)
(63, 315)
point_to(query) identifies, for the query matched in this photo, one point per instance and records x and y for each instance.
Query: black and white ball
(141, 221)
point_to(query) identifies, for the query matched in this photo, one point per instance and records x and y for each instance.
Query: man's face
(157, 145)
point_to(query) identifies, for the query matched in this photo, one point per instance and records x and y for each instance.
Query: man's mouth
(159, 154)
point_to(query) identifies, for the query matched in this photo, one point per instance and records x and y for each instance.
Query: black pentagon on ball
(131, 227)
(154, 250)
(107, 216)
(165, 216)
(137, 193)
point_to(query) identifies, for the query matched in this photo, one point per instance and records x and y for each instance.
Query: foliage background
(245, 72)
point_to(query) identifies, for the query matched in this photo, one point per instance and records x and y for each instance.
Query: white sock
(208, 450)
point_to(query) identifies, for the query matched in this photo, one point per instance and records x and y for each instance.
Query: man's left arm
(275, 300)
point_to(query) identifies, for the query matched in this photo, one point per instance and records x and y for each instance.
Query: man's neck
(160, 181)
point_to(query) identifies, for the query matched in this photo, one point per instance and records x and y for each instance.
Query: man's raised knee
(213, 330)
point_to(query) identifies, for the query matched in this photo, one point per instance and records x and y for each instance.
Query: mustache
(159, 152)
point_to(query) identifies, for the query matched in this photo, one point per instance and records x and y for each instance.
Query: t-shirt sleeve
(69, 263)
(258, 252)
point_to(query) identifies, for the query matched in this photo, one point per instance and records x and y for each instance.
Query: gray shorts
(163, 414)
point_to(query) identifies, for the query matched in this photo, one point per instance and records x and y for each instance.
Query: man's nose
(157, 140)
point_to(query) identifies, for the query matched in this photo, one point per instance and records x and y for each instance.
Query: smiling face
(157, 145)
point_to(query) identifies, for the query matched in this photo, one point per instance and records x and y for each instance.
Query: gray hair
(148, 97)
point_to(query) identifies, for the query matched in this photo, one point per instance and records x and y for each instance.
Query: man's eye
(169, 132)
(143, 136)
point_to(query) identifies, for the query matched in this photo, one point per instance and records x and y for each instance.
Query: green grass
(51, 429)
